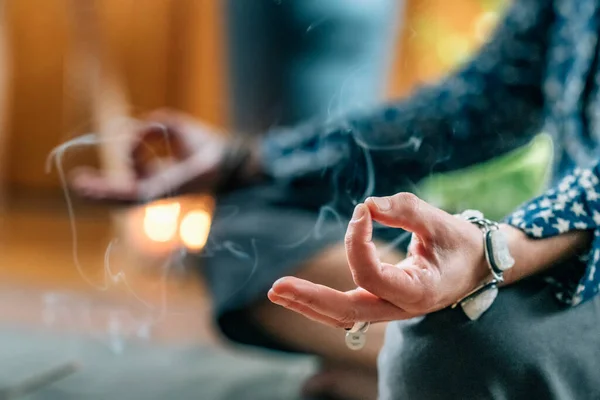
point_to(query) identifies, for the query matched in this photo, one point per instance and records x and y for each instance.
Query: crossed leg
(346, 374)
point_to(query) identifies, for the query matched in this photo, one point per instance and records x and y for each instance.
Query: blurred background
(183, 54)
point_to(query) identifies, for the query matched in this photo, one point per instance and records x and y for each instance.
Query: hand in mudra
(196, 152)
(445, 262)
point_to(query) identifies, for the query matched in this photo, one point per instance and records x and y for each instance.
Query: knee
(516, 350)
(445, 356)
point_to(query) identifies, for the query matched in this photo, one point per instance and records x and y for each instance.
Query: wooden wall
(168, 50)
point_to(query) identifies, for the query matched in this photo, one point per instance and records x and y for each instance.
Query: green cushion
(495, 187)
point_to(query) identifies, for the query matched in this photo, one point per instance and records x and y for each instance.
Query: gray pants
(527, 346)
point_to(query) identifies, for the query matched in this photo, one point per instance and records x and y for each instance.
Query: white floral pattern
(578, 212)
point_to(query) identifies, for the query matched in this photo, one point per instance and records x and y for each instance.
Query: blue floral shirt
(538, 71)
(573, 204)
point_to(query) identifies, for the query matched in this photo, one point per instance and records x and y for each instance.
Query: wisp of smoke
(111, 276)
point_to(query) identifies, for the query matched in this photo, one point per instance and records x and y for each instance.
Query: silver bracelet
(499, 259)
(478, 301)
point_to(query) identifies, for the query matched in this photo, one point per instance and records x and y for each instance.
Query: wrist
(536, 255)
(517, 243)
(493, 249)
(253, 168)
(513, 257)
(241, 163)
(494, 260)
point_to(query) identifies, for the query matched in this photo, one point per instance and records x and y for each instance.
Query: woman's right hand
(196, 153)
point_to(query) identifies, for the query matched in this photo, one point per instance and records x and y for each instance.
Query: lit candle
(160, 221)
(194, 229)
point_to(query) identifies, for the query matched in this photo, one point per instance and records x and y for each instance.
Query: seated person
(527, 346)
(281, 195)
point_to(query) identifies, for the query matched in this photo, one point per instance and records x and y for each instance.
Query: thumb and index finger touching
(400, 285)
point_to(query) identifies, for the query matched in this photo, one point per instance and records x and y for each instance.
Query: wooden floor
(40, 274)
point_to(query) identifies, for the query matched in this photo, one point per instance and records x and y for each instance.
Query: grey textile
(260, 234)
(147, 372)
(254, 241)
(527, 346)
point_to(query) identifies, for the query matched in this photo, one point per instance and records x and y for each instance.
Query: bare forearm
(533, 256)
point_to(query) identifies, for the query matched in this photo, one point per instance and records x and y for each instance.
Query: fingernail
(280, 301)
(382, 203)
(284, 295)
(279, 292)
(359, 212)
(278, 281)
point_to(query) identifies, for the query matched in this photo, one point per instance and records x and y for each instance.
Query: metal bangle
(484, 287)
(487, 227)
(475, 303)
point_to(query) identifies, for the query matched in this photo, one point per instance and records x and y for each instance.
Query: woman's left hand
(445, 262)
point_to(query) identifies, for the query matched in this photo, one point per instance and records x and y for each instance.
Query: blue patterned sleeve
(574, 204)
(491, 105)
